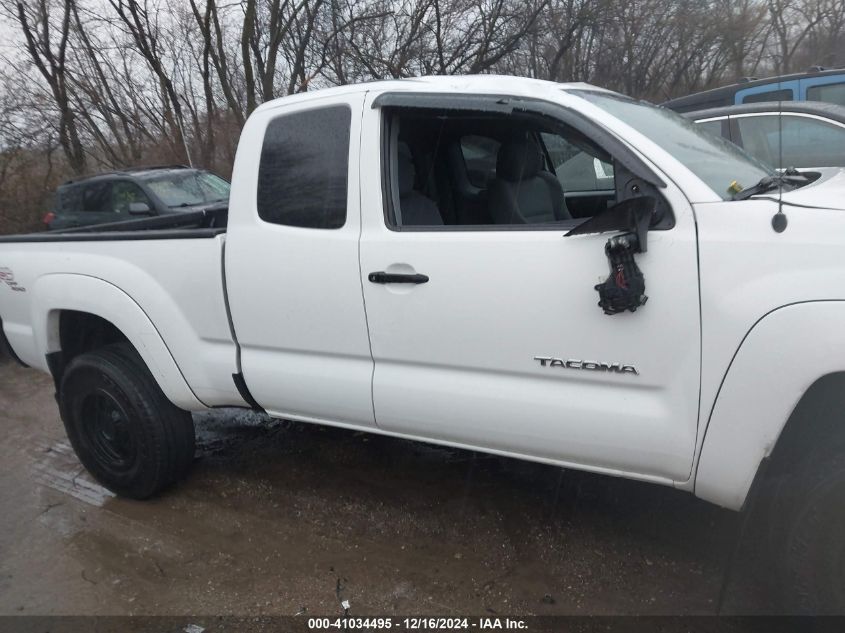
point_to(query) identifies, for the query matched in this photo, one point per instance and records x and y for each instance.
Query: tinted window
(303, 172)
(772, 95)
(96, 197)
(832, 93)
(69, 199)
(806, 142)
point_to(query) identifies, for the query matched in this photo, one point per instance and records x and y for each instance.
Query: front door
(504, 347)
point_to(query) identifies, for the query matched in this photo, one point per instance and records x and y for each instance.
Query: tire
(124, 430)
(812, 556)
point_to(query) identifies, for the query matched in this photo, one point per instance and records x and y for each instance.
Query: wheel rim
(105, 424)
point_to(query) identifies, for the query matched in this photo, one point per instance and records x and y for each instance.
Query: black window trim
(388, 102)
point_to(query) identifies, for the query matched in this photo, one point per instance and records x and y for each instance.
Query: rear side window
(302, 178)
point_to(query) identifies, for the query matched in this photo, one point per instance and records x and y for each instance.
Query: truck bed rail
(206, 223)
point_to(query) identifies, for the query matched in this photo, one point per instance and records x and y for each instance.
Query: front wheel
(813, 553)
(124, 430)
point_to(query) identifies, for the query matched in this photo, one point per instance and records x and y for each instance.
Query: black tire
(124, 430)
(812, 552)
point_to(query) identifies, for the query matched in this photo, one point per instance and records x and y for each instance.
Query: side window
(806, 142)
(69, 199)
(479, 154)
(576, 168)
(302, 178)
(125, 193)
(467, 169)
(831, 93)
(714, 127)
(771, 95)
(96, 197)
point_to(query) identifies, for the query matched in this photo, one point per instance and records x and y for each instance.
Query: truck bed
(170, 267)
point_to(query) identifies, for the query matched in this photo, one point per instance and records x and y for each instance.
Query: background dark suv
(134, 193)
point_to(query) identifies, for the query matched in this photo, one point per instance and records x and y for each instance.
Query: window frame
(311, 108)
(391, 104)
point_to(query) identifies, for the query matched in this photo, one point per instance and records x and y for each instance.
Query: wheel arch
(775, 399)
(74, 313)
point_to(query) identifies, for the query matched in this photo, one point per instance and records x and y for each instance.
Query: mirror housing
(634, 215)
(139, 208)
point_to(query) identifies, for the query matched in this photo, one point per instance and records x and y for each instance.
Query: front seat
(417, 209)
(522, 193)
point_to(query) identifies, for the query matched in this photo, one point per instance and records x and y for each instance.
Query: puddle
(60, 470)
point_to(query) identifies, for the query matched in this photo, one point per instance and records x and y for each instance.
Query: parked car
(145, 191)
(372, 278)
(812, 134)
(817, 84)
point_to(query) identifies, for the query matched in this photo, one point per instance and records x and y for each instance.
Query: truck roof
(488, 84)
(129, 171)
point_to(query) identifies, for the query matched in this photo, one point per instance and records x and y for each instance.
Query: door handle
(382, 277)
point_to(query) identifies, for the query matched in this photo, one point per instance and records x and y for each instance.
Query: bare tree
(46, 35)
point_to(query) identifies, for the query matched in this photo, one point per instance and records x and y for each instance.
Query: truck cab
(548, 272)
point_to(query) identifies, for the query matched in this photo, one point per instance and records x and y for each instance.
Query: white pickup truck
(424, 258)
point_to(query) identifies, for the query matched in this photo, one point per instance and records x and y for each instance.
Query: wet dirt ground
(286, 518)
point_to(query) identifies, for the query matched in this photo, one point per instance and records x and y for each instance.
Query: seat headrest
(405, 169)
(518, 160)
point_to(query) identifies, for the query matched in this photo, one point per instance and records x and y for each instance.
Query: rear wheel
(124, 430)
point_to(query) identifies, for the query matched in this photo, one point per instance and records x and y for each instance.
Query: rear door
(291, 262)
(504, 347)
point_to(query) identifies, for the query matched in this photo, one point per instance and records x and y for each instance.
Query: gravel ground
(287, 518)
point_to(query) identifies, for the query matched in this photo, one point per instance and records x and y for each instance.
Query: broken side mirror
(624, 289)
(634, 215)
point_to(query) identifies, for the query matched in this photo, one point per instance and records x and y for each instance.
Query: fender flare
(783, 354)
(57, 292)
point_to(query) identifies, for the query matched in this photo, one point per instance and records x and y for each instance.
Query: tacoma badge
(589, 365)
